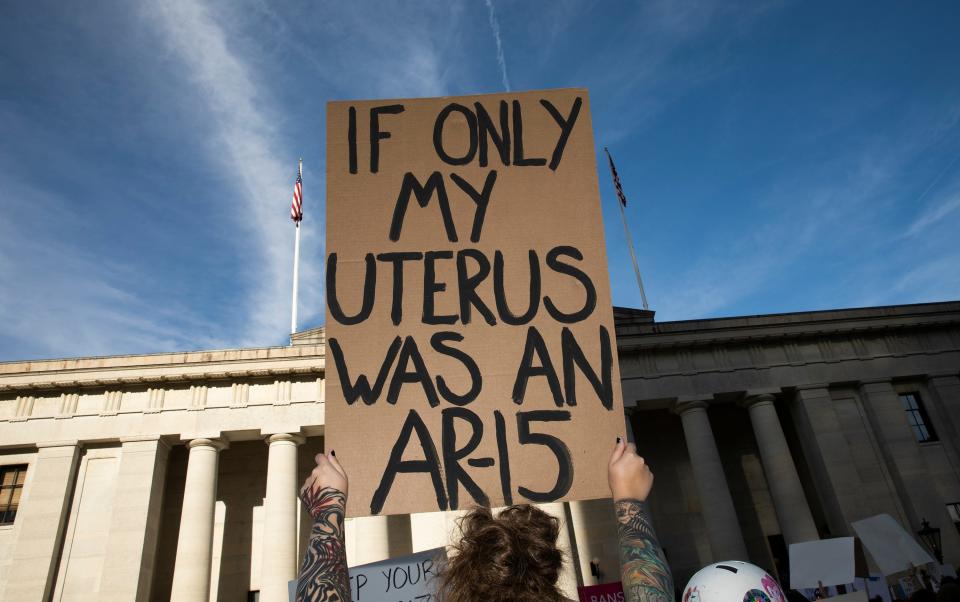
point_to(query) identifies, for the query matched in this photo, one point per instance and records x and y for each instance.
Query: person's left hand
(327, 483)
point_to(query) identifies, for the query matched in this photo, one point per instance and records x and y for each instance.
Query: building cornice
(783, 327)
(95, 382)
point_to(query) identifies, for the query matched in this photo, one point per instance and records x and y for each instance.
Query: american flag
(616, 179)
(296, 208)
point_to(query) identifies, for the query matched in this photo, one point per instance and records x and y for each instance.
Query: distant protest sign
(605, 592)
(823, 561)
(406, 578)
(410, 578)
(891, 546)
(471, 356)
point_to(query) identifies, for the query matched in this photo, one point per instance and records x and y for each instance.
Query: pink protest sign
(605, 592)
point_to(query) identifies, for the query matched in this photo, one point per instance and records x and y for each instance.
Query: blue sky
(777, 156)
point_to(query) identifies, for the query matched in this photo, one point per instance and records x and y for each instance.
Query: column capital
(682, 406)
(216, 444)
(281, 437)
(758, 399)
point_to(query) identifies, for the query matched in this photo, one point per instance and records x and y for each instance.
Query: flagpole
(633, 254)
(296, 265)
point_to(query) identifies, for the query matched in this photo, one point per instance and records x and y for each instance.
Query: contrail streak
(501, 60)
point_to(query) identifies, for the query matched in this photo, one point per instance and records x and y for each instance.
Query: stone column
(568, 574)
(191, 573)
(789, 499)
(595, 535)
(716, 503)
(134, 526)
(433, 529)
(831, 449)
(376, 538)
(373, 538)
(41, 520)
(280, 507)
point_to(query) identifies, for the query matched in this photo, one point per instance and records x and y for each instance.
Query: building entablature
(232, 394)
(642, 334)
(159, 369)
(843, 348)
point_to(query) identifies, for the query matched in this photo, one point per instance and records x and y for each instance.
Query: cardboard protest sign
(470, 338)
(403, 579)
(605, 592)
(892, 548)
(827, 561)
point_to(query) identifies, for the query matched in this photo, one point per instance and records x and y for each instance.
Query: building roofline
(629, 315)
(636, 330)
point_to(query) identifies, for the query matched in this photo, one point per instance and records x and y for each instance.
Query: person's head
(512, 556)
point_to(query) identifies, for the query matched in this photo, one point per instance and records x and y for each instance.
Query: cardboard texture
(827, 561)
(889, 544)
(486, 202)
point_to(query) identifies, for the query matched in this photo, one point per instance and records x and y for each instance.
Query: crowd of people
(513, 556)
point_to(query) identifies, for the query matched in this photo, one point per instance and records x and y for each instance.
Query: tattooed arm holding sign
(323, 575)
(643, 568)
(646, 576)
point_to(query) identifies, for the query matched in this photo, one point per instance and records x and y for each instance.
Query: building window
(11, 487)
(954, 511)
(917, 417)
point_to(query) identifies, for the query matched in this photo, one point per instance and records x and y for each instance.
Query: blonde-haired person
(509, 557)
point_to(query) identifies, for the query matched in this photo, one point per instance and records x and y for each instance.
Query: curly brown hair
(510, 557)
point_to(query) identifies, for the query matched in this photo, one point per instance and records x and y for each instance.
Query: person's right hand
(628, 475)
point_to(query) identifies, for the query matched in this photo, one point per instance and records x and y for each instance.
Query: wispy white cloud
(651, 40)
(359, 57)
(934, 279)
(501, 60)
(61, 300)
(933, 215)
(404, 51)
(795, 223)
(247, 146)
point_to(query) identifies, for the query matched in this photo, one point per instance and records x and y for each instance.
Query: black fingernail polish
(618, 438)
(333, 453)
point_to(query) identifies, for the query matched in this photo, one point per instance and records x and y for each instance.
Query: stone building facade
(173, 476)
(769, 430)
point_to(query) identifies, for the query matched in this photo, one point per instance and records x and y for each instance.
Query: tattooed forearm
(646, 576)
(323, 575)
